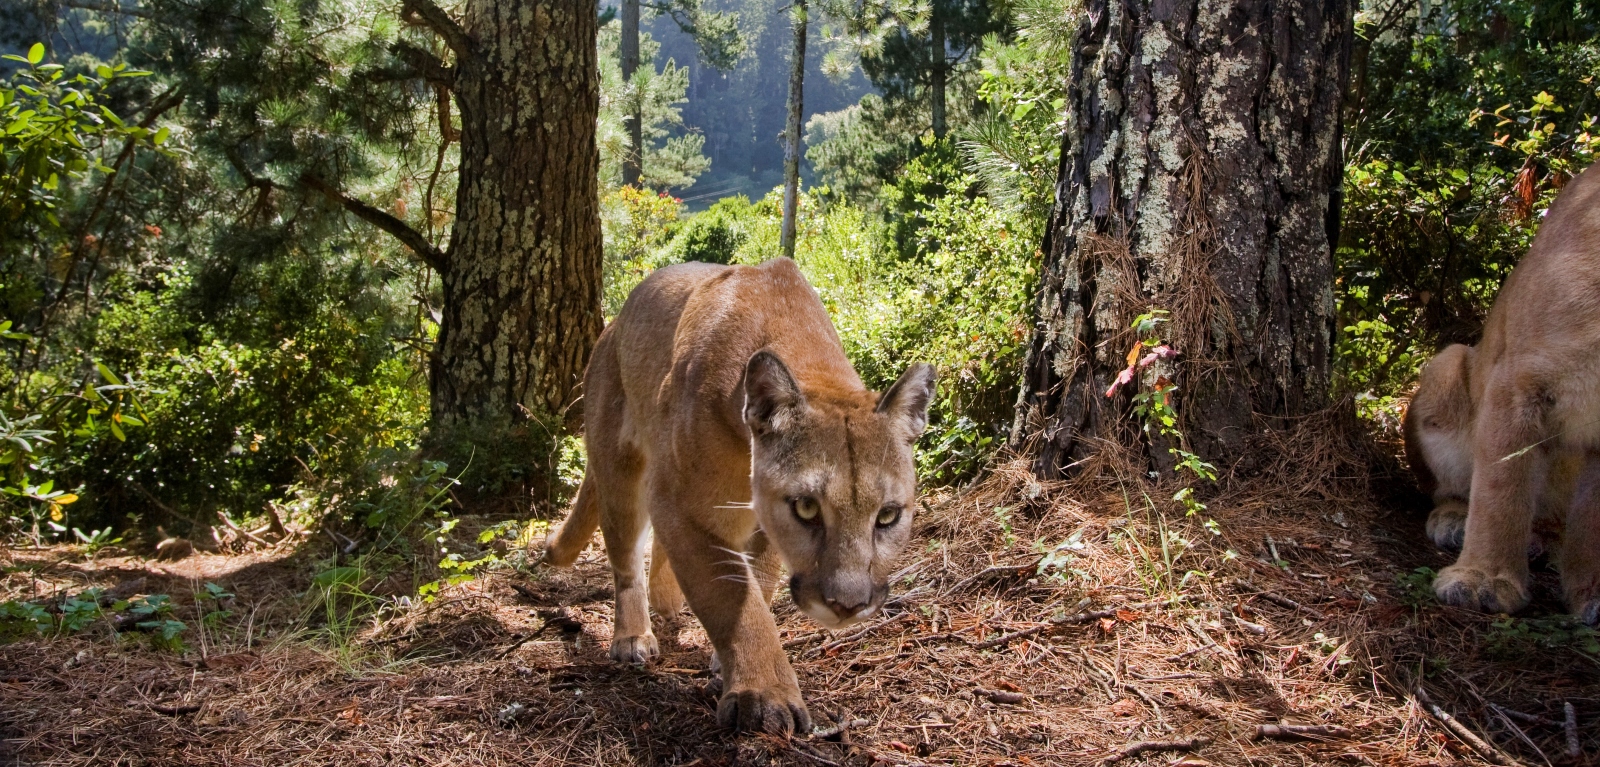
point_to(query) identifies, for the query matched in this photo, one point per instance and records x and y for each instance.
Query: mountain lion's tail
(563, 546)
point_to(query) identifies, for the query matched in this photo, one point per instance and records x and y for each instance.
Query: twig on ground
(1146, 746)
(1291, 731)
(188, 708)
(801, 748)
(1067, 621)
(1454, 725)
(988, 571)
(1001, 696)
(838, 730)
(1570, 725)
(222, 515)
(853, 636)
(1505, 717)
(1283, 601)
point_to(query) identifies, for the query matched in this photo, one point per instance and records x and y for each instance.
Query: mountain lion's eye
(806, 509)
(888, 515)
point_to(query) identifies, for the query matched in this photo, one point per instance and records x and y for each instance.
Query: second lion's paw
(1481, 590)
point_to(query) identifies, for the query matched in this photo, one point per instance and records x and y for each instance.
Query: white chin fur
(829, 620)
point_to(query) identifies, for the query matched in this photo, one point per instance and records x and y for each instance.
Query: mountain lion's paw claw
(1447, 526)
(636, 649)
(778, 712)
(1476, 589)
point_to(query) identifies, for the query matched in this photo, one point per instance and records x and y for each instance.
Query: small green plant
(1416, 587)
(78, 612)
(214, 595)
(1511, 637)
(23, 619)
(1056, 562)
(1152, 404)
(154, 614)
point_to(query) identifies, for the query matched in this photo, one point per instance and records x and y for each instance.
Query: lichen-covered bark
(522, 283)
(1200, 175)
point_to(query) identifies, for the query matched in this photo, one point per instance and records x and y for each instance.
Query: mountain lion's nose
(847, 611)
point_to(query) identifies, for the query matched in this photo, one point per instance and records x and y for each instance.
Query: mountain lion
(720, 408)
(1509, 431)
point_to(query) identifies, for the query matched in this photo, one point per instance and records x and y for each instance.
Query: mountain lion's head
(833, 482)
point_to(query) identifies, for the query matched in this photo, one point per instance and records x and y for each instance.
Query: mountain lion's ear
(907, 401)
(772, 399)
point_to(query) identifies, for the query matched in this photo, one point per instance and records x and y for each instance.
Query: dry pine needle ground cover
(1080, 625)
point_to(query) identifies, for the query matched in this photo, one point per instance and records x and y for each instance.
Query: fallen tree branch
(1570, 726)
(1484, 748)
(837, 731)
(1068, 620)
(1148, 746)
(1292, 731)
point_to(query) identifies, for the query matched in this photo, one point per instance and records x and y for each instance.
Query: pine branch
(110, 7)
(411, 238)
(436, 19)
(424, 64)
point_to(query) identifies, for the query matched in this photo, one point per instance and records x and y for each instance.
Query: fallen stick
(1505, 718)
(964, 582)
(1067, 620)
(1147, 746)
(1570, 725)
(853, 636)
(1292, 731)
(1001, 696)
(1454, 725)
(241, 531)
(175, 710)
(839, 729)
(1283, 601)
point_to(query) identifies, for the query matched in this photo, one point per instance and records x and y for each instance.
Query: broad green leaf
(36, 53)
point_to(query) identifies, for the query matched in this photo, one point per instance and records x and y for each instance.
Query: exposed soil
(512, 668)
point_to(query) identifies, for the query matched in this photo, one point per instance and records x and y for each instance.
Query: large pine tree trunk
(1200, 175)
(522, 278)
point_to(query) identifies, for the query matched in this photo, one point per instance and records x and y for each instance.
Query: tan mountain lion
(1509, 431)
(720, 408)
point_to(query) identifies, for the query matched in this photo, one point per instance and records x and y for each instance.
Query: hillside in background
(740, 112)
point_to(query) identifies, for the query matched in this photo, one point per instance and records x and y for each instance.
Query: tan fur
(718, 399)
(1509, 432)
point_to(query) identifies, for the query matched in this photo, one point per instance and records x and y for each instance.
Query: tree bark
(521, 280)
(791, 144)
(1200, 174)
(633, 158)
(937, 57)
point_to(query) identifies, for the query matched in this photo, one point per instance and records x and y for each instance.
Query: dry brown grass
(1201, 645)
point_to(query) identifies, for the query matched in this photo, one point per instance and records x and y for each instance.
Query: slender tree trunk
(633, 159)
(1200, 174)
(791, 143)
(936, 53)
(521, 280)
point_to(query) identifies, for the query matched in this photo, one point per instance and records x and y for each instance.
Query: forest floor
(1032, 625)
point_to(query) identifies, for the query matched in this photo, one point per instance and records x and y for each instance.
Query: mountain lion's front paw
(779, 711)
(1447, 525)
(637, 649)
(1476, 589)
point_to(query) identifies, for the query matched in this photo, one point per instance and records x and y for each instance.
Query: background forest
(203, 313)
